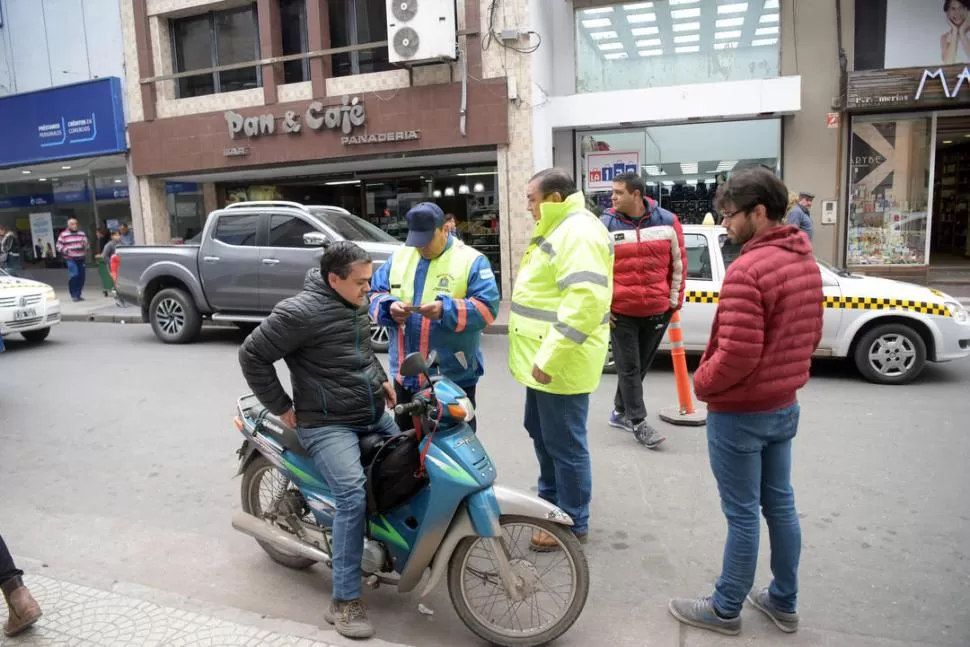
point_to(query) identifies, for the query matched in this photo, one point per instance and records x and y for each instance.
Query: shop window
(214, 39)
(654, 44)
(699, 265)
(293, 26)
(287, 231)
(355, 22)
(237, 229)
(889, 169)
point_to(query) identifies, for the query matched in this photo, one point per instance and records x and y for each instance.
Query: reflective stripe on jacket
(559, 317)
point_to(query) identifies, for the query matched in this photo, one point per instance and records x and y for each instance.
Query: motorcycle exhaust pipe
(259, 529)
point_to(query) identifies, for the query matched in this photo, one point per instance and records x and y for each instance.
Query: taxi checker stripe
(848, 303)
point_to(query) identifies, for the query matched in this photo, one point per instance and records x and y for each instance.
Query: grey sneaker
(787, 622)
(699, 612)
(349, 618)
(647, 435)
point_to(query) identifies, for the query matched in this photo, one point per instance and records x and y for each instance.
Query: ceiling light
(688, 168)
(680, 14)
(677, 2)
(608, 46)
(947, 141)
(967, 136)
(645, 31)
(641, 17)
(602, 35)
(436, 193)
(449, 191)
(687, 50)
(687, 26)
(766, 31)
(650, 42)
(66, 168)
(651, 52)
(729, 22)
(341, 182)
(653, 169)
(479, 187)
(771, 4)
(638, 6)
(118, 181)
(689, 38)
(762, 42)
(690, 182)
(44, 179)
(721, 35)
(590, 12)
(668, 183)
(463, 189)
(726, 166)
(597, 23)
(726, 45)
(737, 7)
(769, 18)
(26, 172)
(615, 56)
(469, 174)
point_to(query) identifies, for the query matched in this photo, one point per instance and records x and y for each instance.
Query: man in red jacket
(649, 274)
(768, 324)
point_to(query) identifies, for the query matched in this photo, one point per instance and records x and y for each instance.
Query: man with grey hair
(800, 214)
(339, 393)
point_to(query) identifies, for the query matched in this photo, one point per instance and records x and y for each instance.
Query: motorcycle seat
(286, 436)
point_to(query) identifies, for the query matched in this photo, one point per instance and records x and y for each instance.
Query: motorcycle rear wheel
(488, 628)
(252, 479)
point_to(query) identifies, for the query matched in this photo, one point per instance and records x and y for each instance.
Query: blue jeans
(751, 459)
(557, 425)
(76, 275)
(336, 454)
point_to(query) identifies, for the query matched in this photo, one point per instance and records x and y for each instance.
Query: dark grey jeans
(635, 343)
(7, 568)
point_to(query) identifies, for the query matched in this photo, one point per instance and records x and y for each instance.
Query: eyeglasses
(728, 216)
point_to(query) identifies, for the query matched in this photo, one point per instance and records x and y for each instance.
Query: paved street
(118, 457)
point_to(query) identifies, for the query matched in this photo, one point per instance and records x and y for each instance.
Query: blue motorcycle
(456, 523)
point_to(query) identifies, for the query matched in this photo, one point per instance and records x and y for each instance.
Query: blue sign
(66, 122)
(119, 192)
(181, 187)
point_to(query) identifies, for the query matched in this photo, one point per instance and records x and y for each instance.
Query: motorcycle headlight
(463, 409)
(957, 311)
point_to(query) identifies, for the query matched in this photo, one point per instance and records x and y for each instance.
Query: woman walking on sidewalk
(23, 608)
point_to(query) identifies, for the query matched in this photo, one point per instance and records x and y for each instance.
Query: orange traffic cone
(684, 414)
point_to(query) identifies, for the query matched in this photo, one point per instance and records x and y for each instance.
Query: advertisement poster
(42, 235)
(922, 33)
(602, 167)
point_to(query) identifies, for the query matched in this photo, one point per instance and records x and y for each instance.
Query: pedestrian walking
(767, 325)
(649, 278)
(436, 294)
(22, 609)
(558, 338)
(72, 244)
(800, 213)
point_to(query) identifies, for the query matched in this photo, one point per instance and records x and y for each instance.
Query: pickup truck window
(287, 231)
(352, 228)
(237, 229)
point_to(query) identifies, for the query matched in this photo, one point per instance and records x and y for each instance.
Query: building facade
(63, 152)
(318, 102)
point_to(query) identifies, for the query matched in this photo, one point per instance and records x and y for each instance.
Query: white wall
(47, 43)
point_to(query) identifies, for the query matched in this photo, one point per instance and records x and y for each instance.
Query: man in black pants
(649, 274)
(23, 609)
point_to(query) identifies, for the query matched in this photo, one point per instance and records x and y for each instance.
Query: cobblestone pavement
(82, 616)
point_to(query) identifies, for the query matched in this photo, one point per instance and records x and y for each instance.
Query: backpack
(394, 475)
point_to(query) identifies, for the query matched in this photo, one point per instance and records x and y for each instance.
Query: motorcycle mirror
(413, 365)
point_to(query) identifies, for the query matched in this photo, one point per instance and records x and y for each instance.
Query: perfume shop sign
(911, 87)
(348, 118)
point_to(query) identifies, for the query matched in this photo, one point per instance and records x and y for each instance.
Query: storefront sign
(236, 151)
(602, 167)
(381, 138)
(42, 235)
(71, 121)
(912, 87)
(344, 117)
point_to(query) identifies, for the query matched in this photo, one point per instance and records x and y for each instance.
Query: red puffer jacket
(768, 324)
(650, 262)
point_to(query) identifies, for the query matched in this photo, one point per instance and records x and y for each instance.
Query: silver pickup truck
(249, 257)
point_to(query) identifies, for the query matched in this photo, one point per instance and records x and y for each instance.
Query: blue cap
(423, 219)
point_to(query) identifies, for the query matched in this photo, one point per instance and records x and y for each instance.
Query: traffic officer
(437, 294)
(558, 337)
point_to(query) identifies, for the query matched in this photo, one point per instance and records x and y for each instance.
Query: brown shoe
(24, 610)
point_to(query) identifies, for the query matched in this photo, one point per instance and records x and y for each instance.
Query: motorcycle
(459, 524)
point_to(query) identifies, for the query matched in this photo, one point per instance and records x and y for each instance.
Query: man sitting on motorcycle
(339, 393)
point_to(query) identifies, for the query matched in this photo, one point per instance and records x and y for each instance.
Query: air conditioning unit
(421, 31)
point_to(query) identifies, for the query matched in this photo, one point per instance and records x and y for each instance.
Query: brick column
(270, 44)
(146, 63)
(318, 33)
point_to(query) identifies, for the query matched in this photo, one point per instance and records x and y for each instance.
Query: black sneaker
(647, 435)
(349, 618)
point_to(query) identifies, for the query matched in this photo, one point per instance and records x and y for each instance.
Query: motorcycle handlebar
(415, 406)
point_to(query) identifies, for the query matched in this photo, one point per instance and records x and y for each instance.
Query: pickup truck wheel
(380, 339)
(891, 354)
(174, 317)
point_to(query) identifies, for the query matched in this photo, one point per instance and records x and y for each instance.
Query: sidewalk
(129, 615)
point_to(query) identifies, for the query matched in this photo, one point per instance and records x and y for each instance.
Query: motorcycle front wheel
(556, 584)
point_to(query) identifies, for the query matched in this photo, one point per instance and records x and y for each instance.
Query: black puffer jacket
(325, 342)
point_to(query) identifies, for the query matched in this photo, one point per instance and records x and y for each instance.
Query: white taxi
(27, 307)
(889, 329)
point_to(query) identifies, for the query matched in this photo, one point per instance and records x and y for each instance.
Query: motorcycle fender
(247, 452)
(510, 501)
